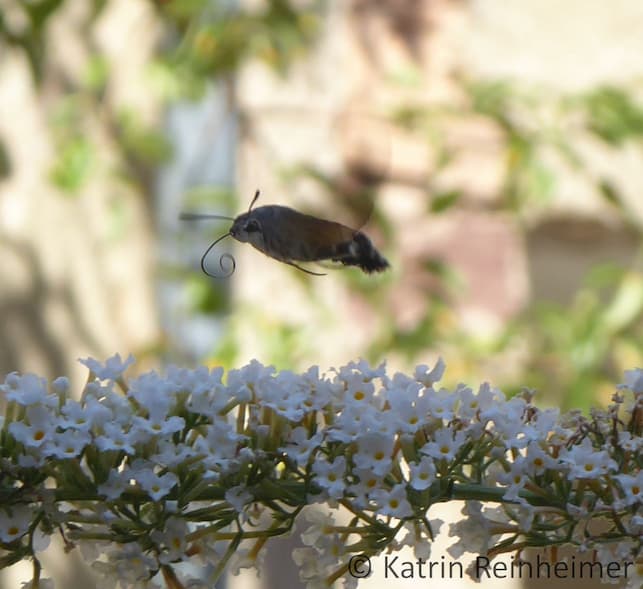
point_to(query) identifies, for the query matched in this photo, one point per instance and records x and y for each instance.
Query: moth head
(247, 229)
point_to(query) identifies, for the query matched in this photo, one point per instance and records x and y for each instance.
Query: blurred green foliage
(215, 38)
(568, 346)
(5, 161)
(613, 114)
(26, 29)
(75, 153)
(581, 344)
(204, 41)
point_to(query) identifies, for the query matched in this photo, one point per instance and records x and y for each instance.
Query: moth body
(290, 236)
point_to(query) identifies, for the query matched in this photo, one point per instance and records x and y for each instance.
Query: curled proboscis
(224, 260)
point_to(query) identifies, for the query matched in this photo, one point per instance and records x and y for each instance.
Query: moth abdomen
(361, 252)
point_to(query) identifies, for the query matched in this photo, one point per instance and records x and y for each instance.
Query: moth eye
(252, 226)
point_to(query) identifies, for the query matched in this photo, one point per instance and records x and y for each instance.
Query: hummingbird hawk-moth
(290, 237)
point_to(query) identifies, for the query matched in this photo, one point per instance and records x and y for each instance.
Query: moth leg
(304, 269)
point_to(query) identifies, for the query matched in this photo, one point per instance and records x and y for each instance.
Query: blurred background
(491, 150)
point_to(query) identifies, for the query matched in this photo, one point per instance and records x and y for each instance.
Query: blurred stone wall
(77, 269)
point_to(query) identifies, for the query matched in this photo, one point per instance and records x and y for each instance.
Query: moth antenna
(199, 216)
(222, 258)
(254, 200)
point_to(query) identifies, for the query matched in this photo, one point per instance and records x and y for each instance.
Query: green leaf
(203, 298)
(445, 200)
(145, 143)
(5, 161)
(96, 73)
(609, 192)
(613, 115)
(73, 166)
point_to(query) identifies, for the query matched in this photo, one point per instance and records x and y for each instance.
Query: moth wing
(303, 238)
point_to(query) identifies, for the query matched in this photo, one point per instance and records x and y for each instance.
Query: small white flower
(208, 395)
(445, 445)
(368, 481)
(311, 568)
(28, 389)
(15, 522)
(112, 369)
(358, 393)
(469, 405)
(409, 407)
(354, 422)
(74, 416)
(127, 564)
(374, 451)
(104, 405)
(364, 370)
(156, 486)
(281, 395)
(515, 479)
(322, 524)
(60, 385)
(586, 462)
(238, 497)
(544, 423)
(245, 379)
(630, 443)
(537, 460)
(318, 391)
(508, 419)
(220, 443)
(115, 485)
(392, 502)
(441, 404)
(197, 381)
(67, 444)
(170, 454)
(154, 393)
(173, 539)
(39, 429)
(428, 377)
(632, 487)
(159, 425)
(633, 380)
(299, 446)
(330, 476)
(114, 437)
(422, 473)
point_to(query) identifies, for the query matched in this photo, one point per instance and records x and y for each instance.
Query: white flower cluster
(149, 472)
